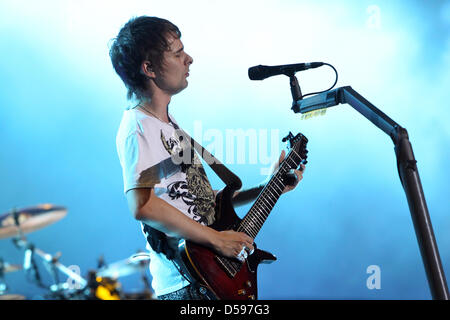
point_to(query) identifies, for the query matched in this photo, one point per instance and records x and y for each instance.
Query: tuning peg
(288, 137)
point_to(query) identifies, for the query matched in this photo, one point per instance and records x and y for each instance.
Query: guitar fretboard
(258, 213)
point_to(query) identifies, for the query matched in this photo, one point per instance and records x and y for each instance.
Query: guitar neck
(253, 221)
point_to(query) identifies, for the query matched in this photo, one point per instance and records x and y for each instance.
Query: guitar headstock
(298, 144)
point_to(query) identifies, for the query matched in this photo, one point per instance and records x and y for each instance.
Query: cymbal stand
(3, 285)
(50, 262)
(145, 280)
(29, 262)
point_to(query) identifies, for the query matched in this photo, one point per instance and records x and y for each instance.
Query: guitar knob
(248, 284)
(252, 297)
(242, 292)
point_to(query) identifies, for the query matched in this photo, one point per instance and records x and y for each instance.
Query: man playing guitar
(172, 202)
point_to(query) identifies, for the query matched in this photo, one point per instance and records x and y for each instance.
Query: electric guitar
(228, 278)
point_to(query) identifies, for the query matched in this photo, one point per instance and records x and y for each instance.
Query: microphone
(261, 72)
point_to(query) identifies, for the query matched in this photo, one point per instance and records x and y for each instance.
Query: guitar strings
(257, 217)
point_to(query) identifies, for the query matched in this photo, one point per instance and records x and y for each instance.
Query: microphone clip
(295, 89)
(296, 92)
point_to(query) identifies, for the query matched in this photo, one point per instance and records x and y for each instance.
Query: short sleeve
(139, 160)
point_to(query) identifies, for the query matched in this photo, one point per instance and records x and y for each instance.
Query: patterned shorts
(187, 293)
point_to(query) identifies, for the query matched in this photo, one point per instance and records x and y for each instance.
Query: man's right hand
(230, 243)
(157, 213)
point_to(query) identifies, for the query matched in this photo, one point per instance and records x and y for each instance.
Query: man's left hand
(298, 173)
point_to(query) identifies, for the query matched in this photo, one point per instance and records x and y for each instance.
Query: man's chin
(180, 89)
(186, 83)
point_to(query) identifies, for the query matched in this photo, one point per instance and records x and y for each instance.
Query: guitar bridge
(230, 267)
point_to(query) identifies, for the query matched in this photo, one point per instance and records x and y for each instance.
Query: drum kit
(101, 284)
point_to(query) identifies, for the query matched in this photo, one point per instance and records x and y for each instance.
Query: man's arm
(245, 196)
(159, 214)
(249, 195)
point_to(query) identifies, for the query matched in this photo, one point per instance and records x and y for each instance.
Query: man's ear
(147, 69)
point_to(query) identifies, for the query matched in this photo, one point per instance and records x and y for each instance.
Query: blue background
(61, 104)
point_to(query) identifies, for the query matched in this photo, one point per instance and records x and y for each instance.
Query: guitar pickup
(230, 267)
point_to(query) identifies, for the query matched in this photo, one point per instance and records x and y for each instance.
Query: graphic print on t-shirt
(196, 191)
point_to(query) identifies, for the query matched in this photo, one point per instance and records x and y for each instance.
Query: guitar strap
(225, 174)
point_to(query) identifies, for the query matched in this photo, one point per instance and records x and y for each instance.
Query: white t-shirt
(149, 153)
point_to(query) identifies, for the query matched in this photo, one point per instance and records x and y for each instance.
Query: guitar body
(227, 279)
(230, 279)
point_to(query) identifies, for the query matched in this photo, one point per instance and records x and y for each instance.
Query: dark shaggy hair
(141, 38)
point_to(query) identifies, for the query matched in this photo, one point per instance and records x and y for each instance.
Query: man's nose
(189, 59)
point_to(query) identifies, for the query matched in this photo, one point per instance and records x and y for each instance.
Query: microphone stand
(408, 173)
(295, 88)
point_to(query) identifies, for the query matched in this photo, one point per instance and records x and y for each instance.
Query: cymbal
(125, 267)
(30, 219)
(12, 297)
(6, 268)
